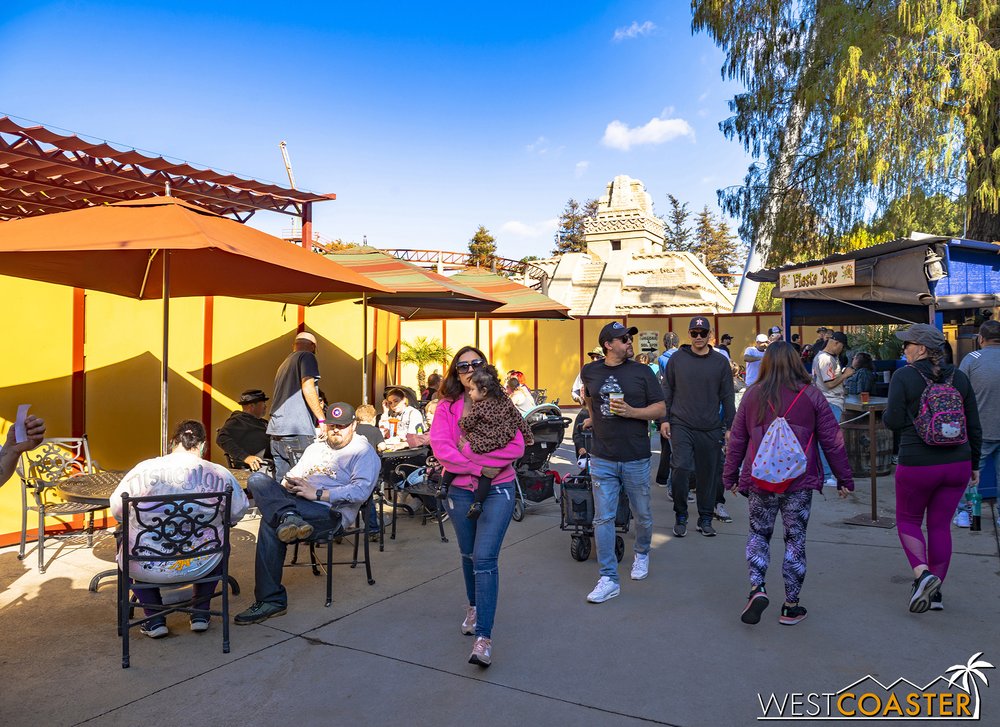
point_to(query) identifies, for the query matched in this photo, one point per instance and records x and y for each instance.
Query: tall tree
(677, 232)
(483, 248)
(570, 233)
(715, 245)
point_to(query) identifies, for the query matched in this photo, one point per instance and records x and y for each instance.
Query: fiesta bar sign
(819, 276)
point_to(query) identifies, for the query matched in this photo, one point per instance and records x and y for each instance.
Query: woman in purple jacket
(479, 540)
(783, 388)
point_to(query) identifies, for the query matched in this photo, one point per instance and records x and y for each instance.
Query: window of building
(616, 244)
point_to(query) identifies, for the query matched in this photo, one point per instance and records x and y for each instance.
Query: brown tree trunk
(983, 225)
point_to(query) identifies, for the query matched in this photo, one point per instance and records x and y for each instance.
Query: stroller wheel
(579, 547)
(518, 514)
(619, 547)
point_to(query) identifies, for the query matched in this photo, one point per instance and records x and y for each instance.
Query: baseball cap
(727, 337)
(306, 336)
(252, 396)
(838, 336)
(922, 334)
(774, 329)
(596, 352)
(614, 330)
(340, 413)
(761, 338)
(822, 329)
(700, 322)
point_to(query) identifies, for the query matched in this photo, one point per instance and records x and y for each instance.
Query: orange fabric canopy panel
(120, 249)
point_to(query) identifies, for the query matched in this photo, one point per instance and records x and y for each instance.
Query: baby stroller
(533, 482)
(577, 513)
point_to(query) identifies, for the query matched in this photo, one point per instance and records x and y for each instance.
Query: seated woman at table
(520, 395)
(863, 378)
(183, 471)
(398, 417)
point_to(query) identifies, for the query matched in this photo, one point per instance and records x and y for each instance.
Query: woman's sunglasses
(699, 334)
(463, 367)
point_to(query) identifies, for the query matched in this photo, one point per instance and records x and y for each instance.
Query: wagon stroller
(577, 513)
(533, 482)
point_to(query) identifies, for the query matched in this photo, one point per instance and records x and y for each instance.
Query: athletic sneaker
(706, 529)
(937, 604)
(830, 482)
(292, 527)
(721, 513)
(605, 590)
(757, 601)
(640, 566)
(199, 624)
(665, 484)
(482, 652)
(924, 589)
(259, 611)
(469, 624)
(681, 527)
(962, 519)
(791, 615)
(155, 629)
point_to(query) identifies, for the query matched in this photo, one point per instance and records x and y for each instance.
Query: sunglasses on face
(464, 367)
(627, 338)
(699, 334)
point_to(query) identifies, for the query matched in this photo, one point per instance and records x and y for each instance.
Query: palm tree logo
(963, 674)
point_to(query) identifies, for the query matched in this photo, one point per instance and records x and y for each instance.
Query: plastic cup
(616, 396)
(865, 397)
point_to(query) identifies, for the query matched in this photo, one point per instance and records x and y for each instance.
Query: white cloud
(539, 146)
(618, 135)
(633, 31)
(545, 228)
(581, 168)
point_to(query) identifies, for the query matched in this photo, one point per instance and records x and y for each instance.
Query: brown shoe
(292, 527)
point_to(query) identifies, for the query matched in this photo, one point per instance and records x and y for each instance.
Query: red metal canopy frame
(42, 171)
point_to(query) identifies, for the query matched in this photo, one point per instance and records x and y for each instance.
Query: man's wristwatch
(319, 493)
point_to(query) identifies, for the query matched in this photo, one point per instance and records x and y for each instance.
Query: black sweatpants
(695, 451)
(663, 470)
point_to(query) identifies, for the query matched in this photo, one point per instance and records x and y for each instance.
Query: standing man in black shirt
(622, 397)
(296, 411)
(698, 391)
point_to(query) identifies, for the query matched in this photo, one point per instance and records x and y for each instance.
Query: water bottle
(976, 512)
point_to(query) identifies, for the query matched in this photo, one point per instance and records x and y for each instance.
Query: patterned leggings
(764, 507)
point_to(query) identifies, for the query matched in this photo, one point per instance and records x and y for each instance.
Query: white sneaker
(605, 589)
(962, 519)
(830, 482)
(469, 624)
(721, 513)
(640, 566)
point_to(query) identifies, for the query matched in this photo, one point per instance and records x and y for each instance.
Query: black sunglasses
(698, 334)
(627, 338)
(464, 367)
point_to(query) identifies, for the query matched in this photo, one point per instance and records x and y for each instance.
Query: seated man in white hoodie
(321, 494)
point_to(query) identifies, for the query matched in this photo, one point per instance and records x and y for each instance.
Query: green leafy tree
(570, 236)
(483, 248)
(716, 245)
(422, 352)
(677, 232)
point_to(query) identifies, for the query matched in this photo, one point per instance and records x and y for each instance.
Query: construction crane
(295, 231)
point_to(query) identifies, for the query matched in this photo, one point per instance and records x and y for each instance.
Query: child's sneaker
(756, 603)
(791, 615)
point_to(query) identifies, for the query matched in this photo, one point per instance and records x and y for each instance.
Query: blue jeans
(991, 450)
(274, 502)
(838, 414)
(279, 451)
(609, 478)
(479, 542)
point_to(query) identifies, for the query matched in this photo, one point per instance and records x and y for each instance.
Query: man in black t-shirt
(296, 410)
(622, 396)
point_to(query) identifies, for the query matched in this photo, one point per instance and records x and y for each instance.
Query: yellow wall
(123, 350)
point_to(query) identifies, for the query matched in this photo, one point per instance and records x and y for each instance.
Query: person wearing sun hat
(930, 479)
(243, 437)
(595, 354)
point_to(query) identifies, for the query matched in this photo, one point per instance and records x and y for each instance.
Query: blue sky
(426, 120)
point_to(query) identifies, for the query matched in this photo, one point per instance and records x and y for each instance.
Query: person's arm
(310, 392)
(444, 442)
(736, 448)
(752, 354)
(829, 380)
(832, 441)
(668, 399)
(34, 428)
(973, 426)
(228, 443)
(727, 394)
(579, 441)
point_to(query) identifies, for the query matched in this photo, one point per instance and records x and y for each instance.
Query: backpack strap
(801, 391)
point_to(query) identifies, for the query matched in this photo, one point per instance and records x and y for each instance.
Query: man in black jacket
(698, 391)
(244, 435)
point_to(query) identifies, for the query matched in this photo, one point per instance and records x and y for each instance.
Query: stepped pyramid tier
(626, 270)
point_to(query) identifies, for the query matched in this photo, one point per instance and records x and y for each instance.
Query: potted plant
(422, 352)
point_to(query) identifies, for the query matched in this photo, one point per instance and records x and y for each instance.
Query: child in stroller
(491, 424)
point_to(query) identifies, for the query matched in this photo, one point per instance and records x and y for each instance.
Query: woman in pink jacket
(783, 388)
(479, 540)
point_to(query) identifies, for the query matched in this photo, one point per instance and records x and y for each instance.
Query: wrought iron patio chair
(41, 470)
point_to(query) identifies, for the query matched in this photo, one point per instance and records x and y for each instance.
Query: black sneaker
(259, 611)
(756, 603)
(791, 615)
(706, 529)
(681, 527)
(924, 589)
(292, 527)
(937, 604)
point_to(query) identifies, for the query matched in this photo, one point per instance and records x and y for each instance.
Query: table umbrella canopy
(119, 249)
(519, 301)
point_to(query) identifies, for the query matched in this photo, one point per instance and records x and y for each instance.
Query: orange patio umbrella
(162, 247)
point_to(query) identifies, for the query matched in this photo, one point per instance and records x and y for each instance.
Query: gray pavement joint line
(495, 684)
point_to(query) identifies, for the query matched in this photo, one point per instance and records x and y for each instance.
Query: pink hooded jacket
(465, 463)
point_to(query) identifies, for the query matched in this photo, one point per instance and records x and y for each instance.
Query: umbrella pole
(163, 363)
(364, 348)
